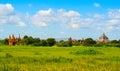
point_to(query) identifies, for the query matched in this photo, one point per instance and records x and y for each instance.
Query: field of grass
(78, 58)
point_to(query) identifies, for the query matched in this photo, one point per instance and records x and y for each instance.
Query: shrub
(86, 52)
(89, 42)
(37, 44)
(64, 44)
(50, 41)
(8, 55)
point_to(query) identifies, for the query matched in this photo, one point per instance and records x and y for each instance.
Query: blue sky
(60, 18)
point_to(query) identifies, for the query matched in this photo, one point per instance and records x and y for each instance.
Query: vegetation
(89, 42)
(76, 58)
(33, 54)
(51, 41)
(29, 40)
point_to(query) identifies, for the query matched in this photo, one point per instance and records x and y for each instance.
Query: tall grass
(28, 58)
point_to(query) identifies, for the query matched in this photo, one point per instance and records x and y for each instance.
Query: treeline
(29, 40)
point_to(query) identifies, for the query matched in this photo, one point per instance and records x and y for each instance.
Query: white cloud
(6, 9)
(96, 5)
(114, 13)
(75, 26)
(62, 32)
(70, 14)
(44, 12)
(68, 19)
(113, 21)
(72, 19)
(44, 18)
(8, 15)
(98, 16)
(22, 24)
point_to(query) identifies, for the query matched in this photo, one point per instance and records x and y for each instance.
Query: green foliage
(6, 41)
(86, 52)
(28, 40)
(69, 43)
(114, 41)
(64, 44)
(43, 43)
(89, 42)
(1, 42)
(8, 55)
(51, 41)
(81, 58)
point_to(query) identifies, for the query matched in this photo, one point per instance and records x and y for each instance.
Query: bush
(8, 55)
(64, 44)
(89, 42)
(86, 52)
(51, 41)
(43, 43)
(6, 41)
(36, 44)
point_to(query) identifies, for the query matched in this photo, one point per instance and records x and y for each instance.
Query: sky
(60, 18)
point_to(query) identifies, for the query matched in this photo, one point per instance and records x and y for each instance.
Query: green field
(78, 58)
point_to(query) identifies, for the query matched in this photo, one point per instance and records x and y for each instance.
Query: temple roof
(103, 36)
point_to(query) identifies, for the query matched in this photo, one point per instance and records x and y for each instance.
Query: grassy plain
(76, 58)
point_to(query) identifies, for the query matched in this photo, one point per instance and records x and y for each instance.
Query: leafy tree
(43, 43)
(28, 40)
(89, 41)
(114, 41)
(6, 41)
(69, 43)
(1, 42)
(36, 40)
(64, 43)
(25, 37)
(51, 41)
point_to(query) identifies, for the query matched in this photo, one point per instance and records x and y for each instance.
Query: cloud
(6, 9)
(22, 24)
(8, 16)
(98, 16)
(73, 19)
(114, 13)
(75, 26)
(44, 18)
(69, 19)
(62, 32)
(113, 21)
(96, 5)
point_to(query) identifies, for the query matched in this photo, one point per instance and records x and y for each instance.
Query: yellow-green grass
(77, 58)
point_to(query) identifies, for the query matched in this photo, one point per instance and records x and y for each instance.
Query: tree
(36, 40)
(64, 44)
(25, 37)
(28, 40)
(43, 43)
(89, 41)
(114, 41)
(6, 41)
(1, 42)
(69, 43)
(51, 41)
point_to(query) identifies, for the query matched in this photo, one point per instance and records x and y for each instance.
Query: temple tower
(103, 38)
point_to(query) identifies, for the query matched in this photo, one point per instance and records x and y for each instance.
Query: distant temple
(13, 41)
(103, 38)
(69, 39)
(75, 42)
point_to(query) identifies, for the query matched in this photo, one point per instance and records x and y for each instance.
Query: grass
(77, 58)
